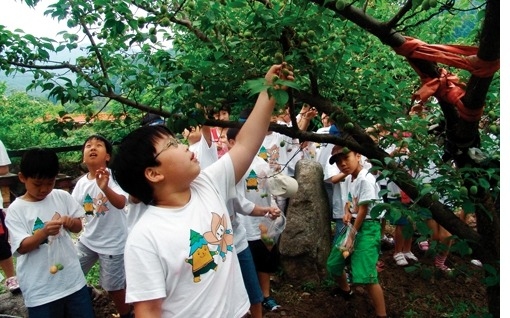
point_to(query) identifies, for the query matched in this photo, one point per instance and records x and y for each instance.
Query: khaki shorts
(112, 276)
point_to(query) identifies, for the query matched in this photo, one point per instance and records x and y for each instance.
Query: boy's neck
(355, 173)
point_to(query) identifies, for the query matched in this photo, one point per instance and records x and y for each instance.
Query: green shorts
(364, 256)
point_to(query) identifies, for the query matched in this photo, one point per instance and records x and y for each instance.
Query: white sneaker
(400, 259)
(476, 262)
(410, 256)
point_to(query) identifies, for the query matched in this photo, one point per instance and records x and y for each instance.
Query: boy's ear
(21, 177)
(152, 174)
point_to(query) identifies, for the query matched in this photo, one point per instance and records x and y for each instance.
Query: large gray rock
(306, 241)
(12, 306)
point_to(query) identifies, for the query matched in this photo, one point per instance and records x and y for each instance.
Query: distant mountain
(18, 82)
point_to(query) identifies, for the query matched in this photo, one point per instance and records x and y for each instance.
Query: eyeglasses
(172, 142)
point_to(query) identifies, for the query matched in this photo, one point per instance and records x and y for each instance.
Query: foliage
(180, 59)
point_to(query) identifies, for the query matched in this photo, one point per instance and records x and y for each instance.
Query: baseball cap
(282, 185)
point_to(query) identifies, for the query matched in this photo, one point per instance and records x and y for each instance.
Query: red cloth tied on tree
(447, 87)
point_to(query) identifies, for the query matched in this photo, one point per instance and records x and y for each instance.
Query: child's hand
(279, 71)
(53, 227)
(67, 222)
(273, 212)
(102, 178)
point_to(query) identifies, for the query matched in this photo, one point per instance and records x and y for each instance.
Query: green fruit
(165, 22)
(473, 190)
(278, 57)
(463, 191)
(432, 3)
(310, 34)
(164, 9)
(349, 126)
(152, 30)
(425, 5)
(340, 5)
(494, 128)
(60, 266)
(282, 143)
(435, 197)
(427, 185)
(304, 44)
(275, 78)
(153, 38)
(492, 114)
(247, 34)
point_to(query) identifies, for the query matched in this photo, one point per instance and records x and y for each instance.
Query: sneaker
(388, 240)
(270, 304)
(400, 259)
(12, 285)
(476, 262)
(423, 245)
(410, 256)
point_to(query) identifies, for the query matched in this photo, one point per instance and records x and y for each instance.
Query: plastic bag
(270, 230)
(347, 238)
(61, 251)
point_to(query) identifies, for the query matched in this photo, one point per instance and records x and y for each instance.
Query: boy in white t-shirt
(105, 232)
(180, 259)
(49, 272)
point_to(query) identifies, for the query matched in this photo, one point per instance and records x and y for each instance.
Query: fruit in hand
(53, 269)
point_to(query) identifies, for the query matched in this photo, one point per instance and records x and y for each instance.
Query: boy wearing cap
(362, 193)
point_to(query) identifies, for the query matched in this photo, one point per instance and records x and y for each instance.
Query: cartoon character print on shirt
(39, 225)
(88, 205)
(98, 204)
(252, 182)
(353, 203)
(201, 258)
(220, 235)
(271, 155)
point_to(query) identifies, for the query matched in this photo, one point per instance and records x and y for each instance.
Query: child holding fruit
(39, 222)
(364, 239)
(180, 259)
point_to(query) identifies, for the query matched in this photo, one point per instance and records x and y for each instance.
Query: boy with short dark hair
(38, 223)
(180, 259)
(362, 193)
(105, 231)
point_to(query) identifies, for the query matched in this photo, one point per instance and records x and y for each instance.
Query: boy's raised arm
(252, 133)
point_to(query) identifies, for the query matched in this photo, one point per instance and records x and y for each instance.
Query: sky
(16, 14)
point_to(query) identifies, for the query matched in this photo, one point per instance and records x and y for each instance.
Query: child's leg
(79, 304)
(376, 293)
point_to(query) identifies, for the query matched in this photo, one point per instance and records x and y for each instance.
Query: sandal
(380, 266)
(423, 245)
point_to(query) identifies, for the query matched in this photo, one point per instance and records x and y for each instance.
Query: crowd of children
(196, 214)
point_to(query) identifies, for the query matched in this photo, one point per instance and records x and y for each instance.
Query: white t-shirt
(206, 155)
(254, 186)
(4, 161)
(277, 150)
(105, 230)
(338, 190)
(134, 212)
(37, 284)
(363, 189)
(323, 152)
(186, 255)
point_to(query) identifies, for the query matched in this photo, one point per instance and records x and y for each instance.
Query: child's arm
(72, 224)
(206, 132)
(338, 177)
(149, 308)
(31, 243)
(102, 179)
(252, 133)
(360, 217)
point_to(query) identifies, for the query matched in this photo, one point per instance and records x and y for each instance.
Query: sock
(439, 262)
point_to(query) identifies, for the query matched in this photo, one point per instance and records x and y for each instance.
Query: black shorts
(266, 261)
(5, 247)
